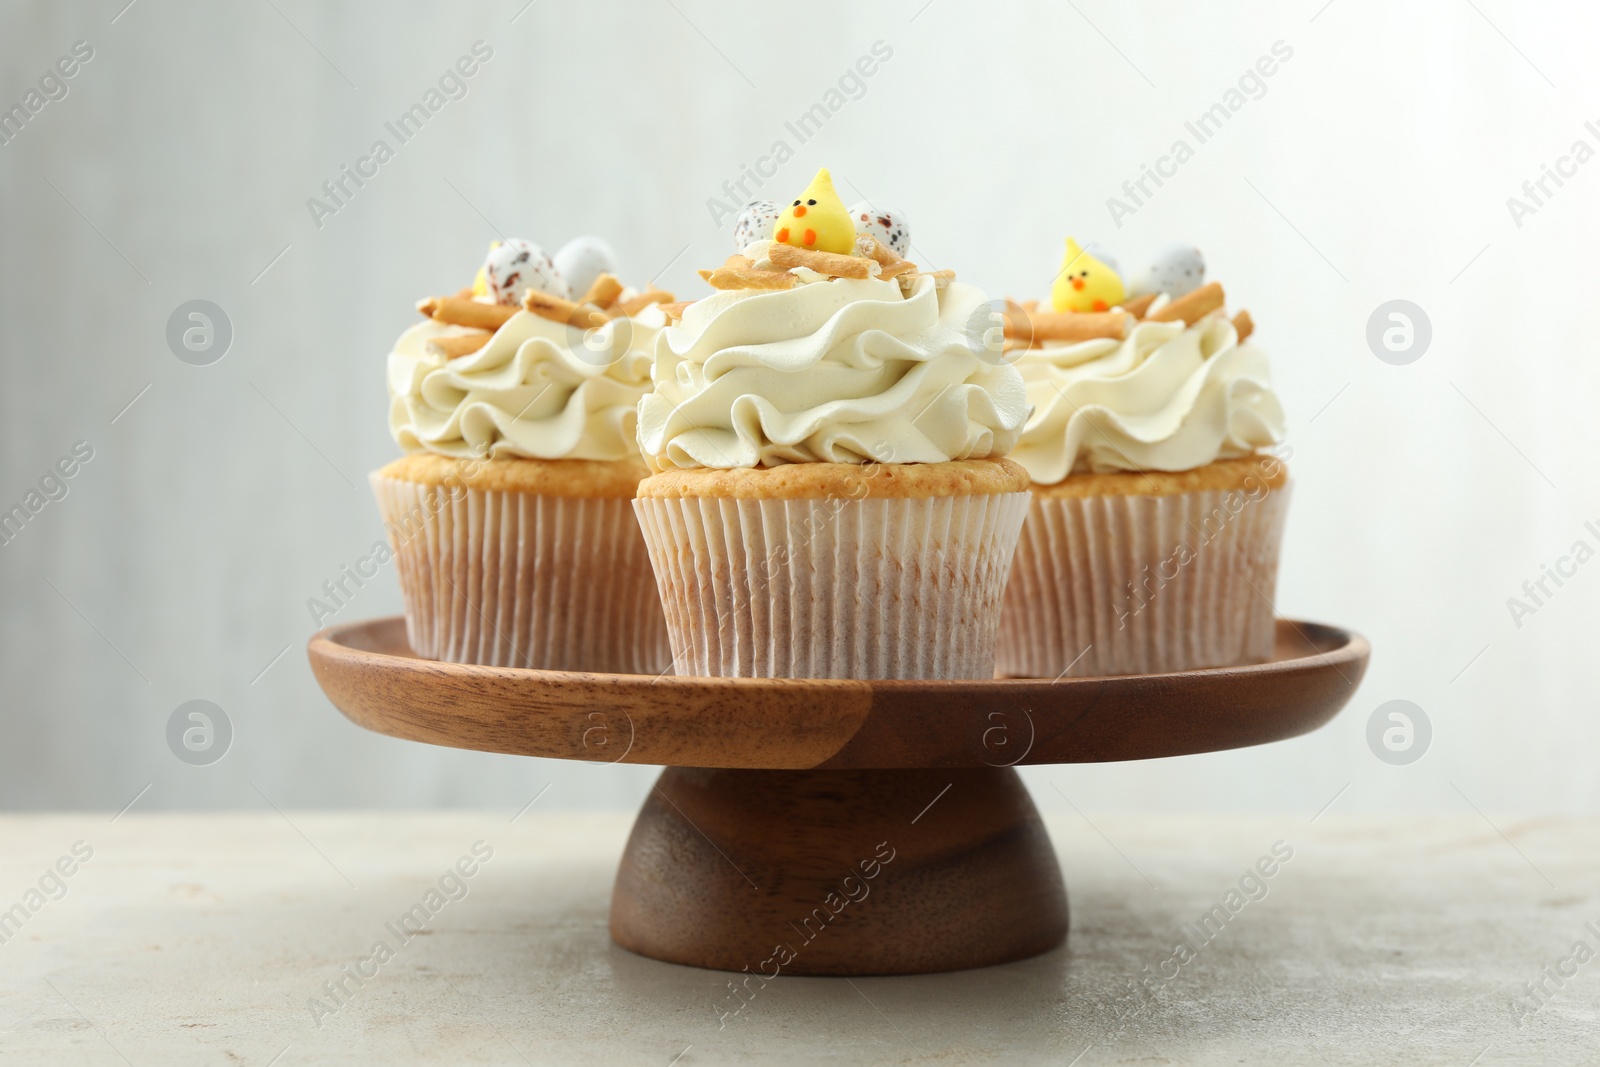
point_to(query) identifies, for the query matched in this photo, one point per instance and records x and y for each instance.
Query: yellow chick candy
(480, 281)
(817, 220)
(1085, 283)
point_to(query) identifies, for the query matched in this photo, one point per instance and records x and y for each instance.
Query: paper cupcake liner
(833, 588)
(1142, 584)
(508, 579)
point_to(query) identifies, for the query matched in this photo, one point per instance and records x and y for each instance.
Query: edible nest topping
(786, 266)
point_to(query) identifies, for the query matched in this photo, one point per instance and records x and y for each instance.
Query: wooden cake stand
(837, 827)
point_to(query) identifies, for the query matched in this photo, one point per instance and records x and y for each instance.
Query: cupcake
(1152, 540)
(829, 497)
(510, 517)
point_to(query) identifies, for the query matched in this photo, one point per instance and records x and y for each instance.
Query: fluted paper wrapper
(508, 579)
(833, 588)
(1142, 584)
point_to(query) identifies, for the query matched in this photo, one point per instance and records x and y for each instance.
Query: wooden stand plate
(837, 827)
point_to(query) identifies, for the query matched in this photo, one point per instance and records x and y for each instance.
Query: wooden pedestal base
(827, 846)
(852, 872)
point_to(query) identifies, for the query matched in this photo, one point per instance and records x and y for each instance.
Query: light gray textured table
(211, 939)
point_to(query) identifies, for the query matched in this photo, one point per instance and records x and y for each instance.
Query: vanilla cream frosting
(538, 390)
(1166, 398)
(840, 371)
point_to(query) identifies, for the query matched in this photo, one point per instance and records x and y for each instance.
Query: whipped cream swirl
(538, 390)
(842, 371)
(1166, 398)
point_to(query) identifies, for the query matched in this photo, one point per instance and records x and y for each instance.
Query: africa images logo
(53, 87)
(339, 190)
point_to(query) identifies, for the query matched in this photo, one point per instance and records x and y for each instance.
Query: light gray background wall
(1376, 166)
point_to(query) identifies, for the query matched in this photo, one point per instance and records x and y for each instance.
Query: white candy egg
(517, 265)
(884, 223)
(581, 260)
(755, 223)
(1176, 270)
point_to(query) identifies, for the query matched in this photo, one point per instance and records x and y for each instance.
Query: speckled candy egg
(583, 259)
(884, 223)
(755, 223)
(515, 266)
(1176, 270)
